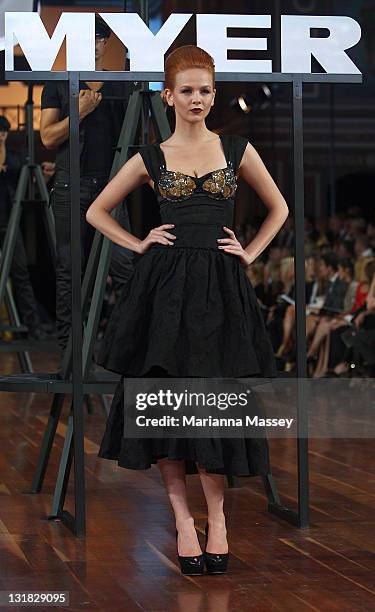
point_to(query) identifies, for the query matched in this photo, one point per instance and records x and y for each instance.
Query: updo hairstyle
(184, 58)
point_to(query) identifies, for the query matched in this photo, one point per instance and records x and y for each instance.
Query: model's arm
(54, 132)
(131, 175)
(253, 170)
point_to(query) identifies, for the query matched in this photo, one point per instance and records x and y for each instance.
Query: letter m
(40, 50)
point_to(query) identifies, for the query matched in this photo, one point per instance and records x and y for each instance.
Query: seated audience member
(276, 312)
(285, 237)
(255, 273)
(272, 279)
(322, 234)
(333, 301)
(344, 248)
(352, 295)
(281, 318)
(336, 227)
(362, 247)
(360, 316)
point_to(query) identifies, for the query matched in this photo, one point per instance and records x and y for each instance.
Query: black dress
(188, 310)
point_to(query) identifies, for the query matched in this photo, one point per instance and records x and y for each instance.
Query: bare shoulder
(137, 165)
(250, 156)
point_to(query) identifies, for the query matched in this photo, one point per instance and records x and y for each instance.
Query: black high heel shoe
(215, 563)
(191, 566)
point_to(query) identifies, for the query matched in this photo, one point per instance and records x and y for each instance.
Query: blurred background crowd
(340, 293)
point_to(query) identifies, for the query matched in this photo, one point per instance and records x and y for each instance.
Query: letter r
(297, 46)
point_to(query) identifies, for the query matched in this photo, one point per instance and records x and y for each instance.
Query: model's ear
(169, 97)
(213, 99)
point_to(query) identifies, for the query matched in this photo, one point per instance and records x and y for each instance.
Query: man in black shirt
(101, 119)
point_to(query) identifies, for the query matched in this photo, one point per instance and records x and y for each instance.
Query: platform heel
(215, 563)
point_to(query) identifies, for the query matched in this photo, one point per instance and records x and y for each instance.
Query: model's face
(193, 94)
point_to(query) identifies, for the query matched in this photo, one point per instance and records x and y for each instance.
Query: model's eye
(186, 91)
(206, 91)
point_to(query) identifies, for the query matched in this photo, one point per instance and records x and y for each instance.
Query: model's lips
(196, 110)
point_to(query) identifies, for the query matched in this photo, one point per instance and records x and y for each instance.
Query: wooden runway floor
(127, 562)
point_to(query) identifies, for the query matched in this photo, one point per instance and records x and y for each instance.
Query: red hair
(184, 58)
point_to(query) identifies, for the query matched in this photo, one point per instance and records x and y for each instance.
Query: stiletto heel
(215, 563)
(191, 566)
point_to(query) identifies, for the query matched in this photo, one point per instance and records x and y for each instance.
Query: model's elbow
(285, 210)
(89, 216)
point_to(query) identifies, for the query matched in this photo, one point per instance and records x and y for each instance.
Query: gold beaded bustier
(219, 184)
(172, 186)
(175, 186)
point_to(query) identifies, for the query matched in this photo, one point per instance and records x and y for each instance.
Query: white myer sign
(147, 50)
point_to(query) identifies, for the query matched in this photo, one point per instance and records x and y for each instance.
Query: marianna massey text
(210, 421)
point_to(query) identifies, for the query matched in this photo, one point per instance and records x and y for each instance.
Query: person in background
(333, 302)
(255, 273)
(102, 108)
(284, 313)
(339, 352)
(10, 165)
(346, 274)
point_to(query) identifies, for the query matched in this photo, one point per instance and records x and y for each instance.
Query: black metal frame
(25, 193)
(77, 386)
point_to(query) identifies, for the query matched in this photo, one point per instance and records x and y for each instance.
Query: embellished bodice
(218, 184)
(173, 187)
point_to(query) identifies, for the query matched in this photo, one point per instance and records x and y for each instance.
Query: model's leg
(213, 488)
(174, 478)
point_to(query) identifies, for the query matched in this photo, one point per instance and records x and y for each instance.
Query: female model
(189, 308)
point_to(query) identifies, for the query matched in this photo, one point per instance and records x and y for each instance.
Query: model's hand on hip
(157, 235)
(233, 246)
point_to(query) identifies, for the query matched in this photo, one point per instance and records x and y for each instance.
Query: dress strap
(240, 144)
(153, 160)
(234, 148)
